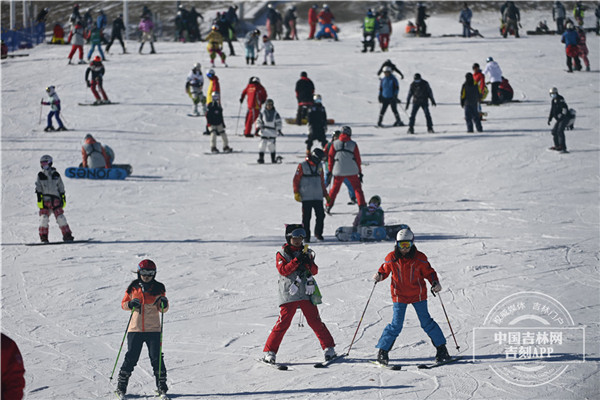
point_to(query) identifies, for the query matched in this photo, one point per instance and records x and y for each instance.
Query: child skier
(193, 87)
(269, 124)
(146, 26)
(51, 196)
(409, 268)
(54, 103)
(213, 86)
(76, 35)
(216, 125)
(251, 43)
(97, 70)
(559, 111)
(96, 41)
(296, 268)
(317, 123)
(215, 45)
(269, 50)
(145, 298)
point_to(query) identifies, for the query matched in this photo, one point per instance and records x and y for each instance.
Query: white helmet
(405, 235)
(46, 161)
(215, 96)
(553, 91)
(51, 90)
(317, 98)
(387, 68)
(197, 66)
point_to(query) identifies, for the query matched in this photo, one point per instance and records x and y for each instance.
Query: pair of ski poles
(367, 305)
(160, 354)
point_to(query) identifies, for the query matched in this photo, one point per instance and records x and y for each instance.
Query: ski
(52, 243)
(99, 104)
(222, 152)
(162, 396)
(325, 364)
(435, 365)
(195, 115)
(394, 367)
(277, 366)
(120, 396)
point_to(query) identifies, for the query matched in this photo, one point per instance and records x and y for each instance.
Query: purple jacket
(146, 25)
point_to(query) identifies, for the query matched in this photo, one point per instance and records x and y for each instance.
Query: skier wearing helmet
(193, 87)
(309, 189)
(257, 95)
(213, 85)
(97, 70)
(215, 45)
(215, 124)
(269, 125)
(409, 269)
(571, 41)
(297, 289)
(251, 44)
(317, 123)
(51, 196)
(372, 215)
(54, 103)
(560, 112)
(145, 298)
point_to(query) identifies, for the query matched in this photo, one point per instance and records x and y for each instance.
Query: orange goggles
(405, 244)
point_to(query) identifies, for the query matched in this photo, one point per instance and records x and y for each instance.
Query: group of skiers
(376, 25)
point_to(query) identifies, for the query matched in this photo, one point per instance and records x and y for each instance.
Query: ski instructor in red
(257, 95)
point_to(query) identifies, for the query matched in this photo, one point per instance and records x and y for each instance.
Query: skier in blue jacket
(388, 95)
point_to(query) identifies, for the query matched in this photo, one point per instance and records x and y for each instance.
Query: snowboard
(126, 167)
(53, 243)
(292, 121)
(100, 104)
(368, 233)
(96, 173)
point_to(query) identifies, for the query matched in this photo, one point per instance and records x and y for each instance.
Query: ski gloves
(135, 303)
(298, 197)
(436, 288)
(310, 286)
(378, 277)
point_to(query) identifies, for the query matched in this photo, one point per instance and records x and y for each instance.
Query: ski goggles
(45, 164)
(405, 244)
(298, 232)
(147, 272)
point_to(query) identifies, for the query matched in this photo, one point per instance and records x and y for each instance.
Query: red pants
(286, 314)
(251, 116)
(355, 181)
(313, 28)
(53, 205)
(96, 95)
(74, 48)
(384, 41)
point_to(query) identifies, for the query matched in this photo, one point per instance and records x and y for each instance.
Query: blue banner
(24, 38)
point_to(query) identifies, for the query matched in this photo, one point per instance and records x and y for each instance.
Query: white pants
(267, 143)
(218, 130)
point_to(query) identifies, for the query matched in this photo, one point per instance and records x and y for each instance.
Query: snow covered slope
(495, 212)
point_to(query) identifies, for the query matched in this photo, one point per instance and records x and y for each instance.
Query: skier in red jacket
(257, 95)
(312, 20)
(13, 371)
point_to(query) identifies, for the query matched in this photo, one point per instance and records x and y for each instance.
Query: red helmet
(98, 59)
(147, 265)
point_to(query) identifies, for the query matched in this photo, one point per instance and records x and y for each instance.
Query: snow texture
(496, 213)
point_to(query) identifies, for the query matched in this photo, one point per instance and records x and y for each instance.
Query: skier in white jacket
(494, 73)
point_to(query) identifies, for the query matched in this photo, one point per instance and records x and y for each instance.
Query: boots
(380, 120)
(410, 130)
(383, 357)
(261, 158)
(161, 383)
(122, 382)
(398, 122)
(273, 159)
(442, 354)
(68, 237)
(44, 238)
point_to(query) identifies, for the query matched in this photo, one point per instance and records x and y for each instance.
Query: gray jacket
(49, 183)
(95, 159)
(345, 164)
(285, 282)
(310, 184)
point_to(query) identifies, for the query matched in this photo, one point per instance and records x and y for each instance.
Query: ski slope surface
(496, 213)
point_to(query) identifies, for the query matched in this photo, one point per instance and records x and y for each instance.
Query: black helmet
(303, 74)
(294, 230)
(317, 155)
(347, 130)
(375, 199)
(417, 77)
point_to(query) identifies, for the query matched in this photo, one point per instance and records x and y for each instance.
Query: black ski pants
(389, 102)
(135, 342)
(318, 134)
(495, 99)
(558, 133)
(413, 114)
(307, 207)
(112, 39)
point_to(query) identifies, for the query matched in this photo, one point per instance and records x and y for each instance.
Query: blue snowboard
(96, 173)
(368, 233)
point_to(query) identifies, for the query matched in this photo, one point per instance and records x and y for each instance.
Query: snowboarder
(385, 30)
(389, 63)
(309, 189)
(215, 46)
(505, 91)
(145, 298)
(269, 125)
(493, 70)
(269, 50)
(93, 154)
(51, 196)
(97, 70)
(421, 17)
(317, 123)
(421, 91)
(328, 174)
(213, 85)
(13, 371)
(582, 48)
(571, 41)
(297, 289)
(559, 14)
(54, 103)
(96, 41)
(388, 96)
(369, 29)
(326, 18)
(312, 21)
(560, 112)
(372, 215)
(117, 33)
(465, 19)
(305, 90)
(470, 98)
(146, 26)
(215, 124)
(251, 44)
(76, 35)
(511, 17)
(344, 163)
(193, 87)
(289, 20)
(257, 95)
(409, 269)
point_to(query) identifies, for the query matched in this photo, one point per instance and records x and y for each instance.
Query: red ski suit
(257, 95)
(13, 371)
(312, 22)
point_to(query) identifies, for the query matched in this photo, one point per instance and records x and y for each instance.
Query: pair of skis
(283, 367)
(158, 396)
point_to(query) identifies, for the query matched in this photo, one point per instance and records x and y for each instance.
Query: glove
(88, 83)
(378, 277)
(302, 258)
(294, 286)
(433, 103)
(64, 200)
(436, 287)
(241, 100)
(135, 303)
(297, 197)
(40, 200)
(328, 198)
(360, 177)
(401, 76)
(549, 121)
(279, 133)
(310, 286)
(407, 106)
(328, 181)
(163, 302)
(380, 98)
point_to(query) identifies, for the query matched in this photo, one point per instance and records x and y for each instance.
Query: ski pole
(238, 119)
(41, 107)
(448, 320)
(361, 318)
(122, 341)
(160, 355)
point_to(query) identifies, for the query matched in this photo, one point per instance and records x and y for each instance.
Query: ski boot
(411, 130)
(97, 102)
(214, 150)
(273, 158)
(270, 357)
(261, 158)
(68, 237)
(380, 120)
(122, 383)
(383, 357)
(430, 130)
(442, 354)
(82, 62)
(44, 238)
(106, 101)
(273, 63)
(329, 353)
(398, 122)
(264, 63)
(62, 128)
(227, 149)
(49, 129)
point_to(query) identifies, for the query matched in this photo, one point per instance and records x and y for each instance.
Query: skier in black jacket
(317, 124)
(305, 89)
(421, 92)
(117, 28)
(559, 111)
